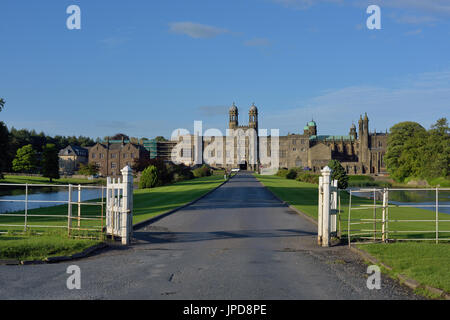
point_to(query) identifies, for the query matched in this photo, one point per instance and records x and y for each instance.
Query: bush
(282, 172)
(338, 173)
(292, 174)
(149, 178)
(181, 173)
(308, 178)
(203, 171)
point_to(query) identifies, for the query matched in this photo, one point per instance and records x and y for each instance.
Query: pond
(417, 198)
(42, 194)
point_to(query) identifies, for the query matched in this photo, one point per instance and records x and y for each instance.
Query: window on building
(113, 155)
(125, 155)
(101, 155)
(93, 156)
(113, 165)
(132, 156)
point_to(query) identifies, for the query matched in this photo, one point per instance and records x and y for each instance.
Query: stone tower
(364, 140)
(234, 115)
(253, 117)
(353, 133)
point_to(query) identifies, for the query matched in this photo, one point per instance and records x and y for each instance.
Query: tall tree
(403, 155)
(4, 137)
(338, 173)
(25, 160)
(50, 162)
(436, 152)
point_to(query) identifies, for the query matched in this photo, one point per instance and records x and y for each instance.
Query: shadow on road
(183, 237)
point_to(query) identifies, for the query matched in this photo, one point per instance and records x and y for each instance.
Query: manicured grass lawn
(304, 197)
(42, 180)
(427, 263)
(22, 247)
(148, 203)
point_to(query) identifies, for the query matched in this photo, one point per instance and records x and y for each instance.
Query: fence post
(26, 206)
(383, 225)
(79, 206)
(326, 174)
(320, 213)
(69, 210)
(437, 215)
(127, 200)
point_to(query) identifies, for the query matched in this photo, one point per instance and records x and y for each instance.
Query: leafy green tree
(435, 154)
(50, 162)
(90, 169)
(403, 157)
(4, 138)
(25, 160)
(338, 173)
(160, 139)
(149, 178)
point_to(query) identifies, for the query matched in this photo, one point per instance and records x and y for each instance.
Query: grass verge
(42, 180)
(32, 247)
(425, 262)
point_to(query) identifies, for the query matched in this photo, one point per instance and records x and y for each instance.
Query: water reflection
(418, 198)
(42, 194)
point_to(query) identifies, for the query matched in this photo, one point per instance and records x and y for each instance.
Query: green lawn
(42, 180)
(28, 247)
(426, 262)
(148, 203)
(304, 197)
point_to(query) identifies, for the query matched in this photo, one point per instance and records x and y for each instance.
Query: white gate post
(127, 205)
(326, 174)
(320, 213)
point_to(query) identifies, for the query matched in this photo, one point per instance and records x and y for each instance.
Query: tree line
(31, 152)
(414, 152)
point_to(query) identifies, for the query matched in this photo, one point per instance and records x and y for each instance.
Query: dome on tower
(312, 124)
(233, 108)
(253, 108)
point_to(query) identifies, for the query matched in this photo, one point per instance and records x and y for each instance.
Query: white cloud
(196, 30)
(422, 98)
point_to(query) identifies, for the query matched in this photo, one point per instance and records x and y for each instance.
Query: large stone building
(112, 157)
(360, 151)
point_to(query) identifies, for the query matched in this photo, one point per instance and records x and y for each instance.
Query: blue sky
(145, 68)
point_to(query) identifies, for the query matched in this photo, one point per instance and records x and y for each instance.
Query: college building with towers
(359, 152)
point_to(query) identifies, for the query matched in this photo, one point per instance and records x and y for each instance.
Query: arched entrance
(243, 165)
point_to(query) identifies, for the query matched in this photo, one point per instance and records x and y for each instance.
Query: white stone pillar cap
(326, 170)
(126, 170)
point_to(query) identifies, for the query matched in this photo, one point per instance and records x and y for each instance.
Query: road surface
(238, 242)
